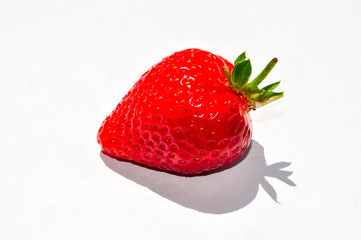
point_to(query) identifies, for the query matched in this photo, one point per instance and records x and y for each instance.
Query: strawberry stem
(239, 82)
(264, 73)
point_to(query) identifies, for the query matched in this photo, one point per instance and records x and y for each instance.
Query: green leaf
(240, 58)
(269, 94)
(271, 86)
(241, 73)
(239, 81)
(267, 98)
(225, 70)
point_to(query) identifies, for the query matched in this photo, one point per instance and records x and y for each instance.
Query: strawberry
(187, 114)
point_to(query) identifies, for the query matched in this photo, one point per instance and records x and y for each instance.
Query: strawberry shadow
(222, 191)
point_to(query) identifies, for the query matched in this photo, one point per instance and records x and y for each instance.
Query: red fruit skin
(180, 116)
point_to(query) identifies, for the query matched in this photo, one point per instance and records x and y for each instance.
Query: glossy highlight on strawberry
(187, 114)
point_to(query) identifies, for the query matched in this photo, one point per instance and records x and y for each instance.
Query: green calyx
(239, 81)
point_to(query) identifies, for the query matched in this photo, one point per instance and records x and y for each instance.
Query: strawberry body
(182, 115)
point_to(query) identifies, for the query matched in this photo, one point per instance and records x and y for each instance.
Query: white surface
(64, 65)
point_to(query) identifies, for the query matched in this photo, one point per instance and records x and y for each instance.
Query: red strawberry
(187, 114)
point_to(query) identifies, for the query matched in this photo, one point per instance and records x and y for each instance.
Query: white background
(64, 65)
